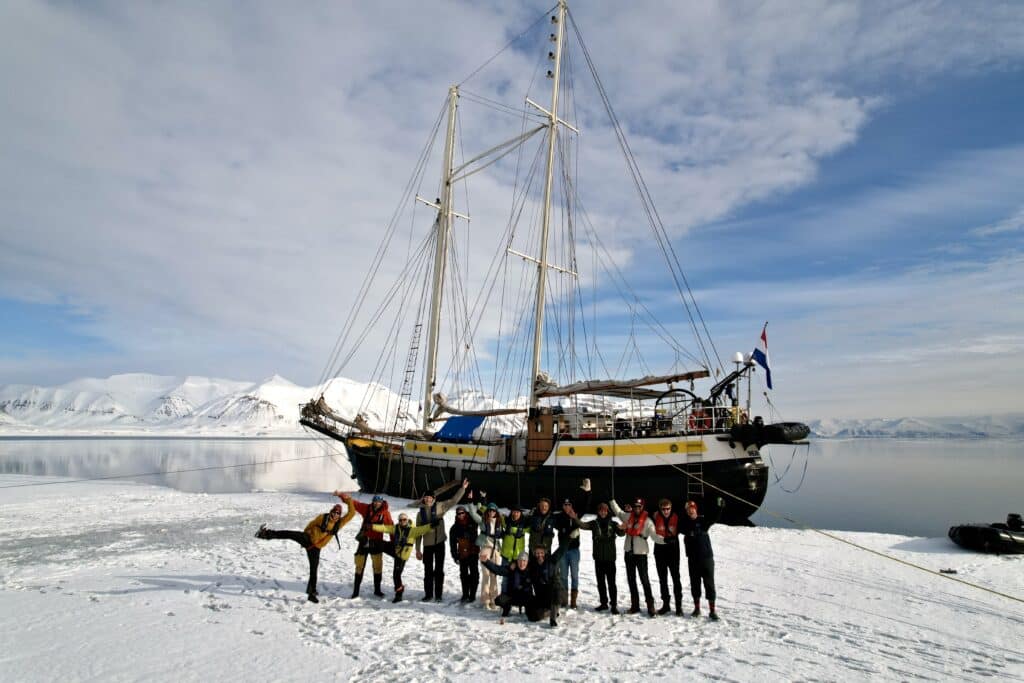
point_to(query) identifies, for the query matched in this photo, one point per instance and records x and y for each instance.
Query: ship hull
(380, 467)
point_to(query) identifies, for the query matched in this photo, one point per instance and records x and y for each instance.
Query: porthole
(674, 448)
(460, 451)
(572, 451)
(444, 450)
(600, 451)
(430, 448)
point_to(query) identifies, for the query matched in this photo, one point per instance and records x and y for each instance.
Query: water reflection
(919, 488)
(914, 487)
(236, 465)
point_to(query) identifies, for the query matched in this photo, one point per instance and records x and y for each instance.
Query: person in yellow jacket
(318, 533)
(403, 535)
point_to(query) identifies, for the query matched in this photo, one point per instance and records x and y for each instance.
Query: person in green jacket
(403, 535)
(318, 533)
(604, 531)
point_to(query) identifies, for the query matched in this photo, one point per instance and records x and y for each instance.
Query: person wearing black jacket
(517, 589)
(462, 540)
(700, 559)
(605, 532)
(569, 542)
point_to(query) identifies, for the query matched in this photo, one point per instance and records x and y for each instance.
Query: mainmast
(444, 227)
(542, 265)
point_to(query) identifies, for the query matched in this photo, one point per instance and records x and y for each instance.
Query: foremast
(542, 265)
(444, 227)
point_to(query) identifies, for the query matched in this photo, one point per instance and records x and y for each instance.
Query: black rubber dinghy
(995, 538)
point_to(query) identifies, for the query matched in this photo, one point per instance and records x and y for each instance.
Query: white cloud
(208, 185)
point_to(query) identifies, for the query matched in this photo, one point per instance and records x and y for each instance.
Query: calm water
(914, 487)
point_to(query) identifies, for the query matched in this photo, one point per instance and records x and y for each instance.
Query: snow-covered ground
(118, 581)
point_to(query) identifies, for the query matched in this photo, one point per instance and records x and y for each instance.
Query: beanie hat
(524, 556)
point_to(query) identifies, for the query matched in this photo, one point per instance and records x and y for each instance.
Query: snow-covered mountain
(992, 426)
(141, 404)
(155, 404)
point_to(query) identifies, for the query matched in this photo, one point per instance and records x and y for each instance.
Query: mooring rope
(808, 527)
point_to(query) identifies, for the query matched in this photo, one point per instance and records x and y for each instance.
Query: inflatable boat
(991, 538)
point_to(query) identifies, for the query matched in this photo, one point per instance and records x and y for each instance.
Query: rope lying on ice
(840, 539)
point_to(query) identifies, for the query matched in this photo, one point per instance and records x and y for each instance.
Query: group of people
(517, 547)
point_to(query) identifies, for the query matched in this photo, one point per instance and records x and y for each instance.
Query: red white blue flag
(760, 355)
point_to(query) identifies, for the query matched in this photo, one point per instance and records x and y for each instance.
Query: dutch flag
(760, 355)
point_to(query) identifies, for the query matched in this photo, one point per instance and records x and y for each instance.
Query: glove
(721, 502)
(437, 522)
(585, 485)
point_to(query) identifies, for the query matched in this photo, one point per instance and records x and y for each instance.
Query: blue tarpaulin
(460, 428)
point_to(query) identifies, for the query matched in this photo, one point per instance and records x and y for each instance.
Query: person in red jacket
(318, 533)
(666, 555)
(370, 542)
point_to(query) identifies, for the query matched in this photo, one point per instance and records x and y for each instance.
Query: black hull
(988, 538)
(378, 470)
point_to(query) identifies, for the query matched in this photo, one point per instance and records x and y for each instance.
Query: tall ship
(517, 351)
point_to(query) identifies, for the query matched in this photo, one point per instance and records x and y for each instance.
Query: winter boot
(376, 585)
(634, 606)
(679, 606)
(398, 594)
(355, 585)
(572, 599)
(602, 607)
(665, 607)
(554, 617)
(263, 532)
(712, 614)
(650, 608)
(696, 609)
(615, 608)
(312, 597)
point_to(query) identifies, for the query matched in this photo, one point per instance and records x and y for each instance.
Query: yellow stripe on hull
(577, 450)
(439, 449)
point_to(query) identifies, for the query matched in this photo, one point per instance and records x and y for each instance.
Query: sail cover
(460, 428)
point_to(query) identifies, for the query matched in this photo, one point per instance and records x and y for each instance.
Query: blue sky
(178, 177)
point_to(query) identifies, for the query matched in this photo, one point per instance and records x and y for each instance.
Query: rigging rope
(808, 527)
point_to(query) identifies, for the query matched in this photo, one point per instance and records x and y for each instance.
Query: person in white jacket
(492, 529)
(638, 527)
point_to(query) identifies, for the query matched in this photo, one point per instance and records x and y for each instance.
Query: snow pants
(637, 564)
(702, 569)
(666, 560)
(312, 553)
(433, 570)
(469, 576)
(606, 589)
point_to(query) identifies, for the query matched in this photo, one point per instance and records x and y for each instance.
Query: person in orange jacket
(318, 533)
(371, 542)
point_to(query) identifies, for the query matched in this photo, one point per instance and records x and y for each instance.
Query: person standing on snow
(700, 559)
(400, 548)
(431, 546)
(370, 542)
(666, 555)
(491, 531)
(569, 543)
(318, 533)
(462, 539)
(604, 531)
(638, 528)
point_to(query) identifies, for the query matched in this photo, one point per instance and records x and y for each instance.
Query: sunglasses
(666, 507)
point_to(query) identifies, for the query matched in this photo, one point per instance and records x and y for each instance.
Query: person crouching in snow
(370, 542)
(462, 538)
(545, 578)
(700, 559)
(400, 548)
(518, 590)
(318, 533)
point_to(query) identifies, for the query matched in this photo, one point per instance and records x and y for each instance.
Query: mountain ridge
(141, 404)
